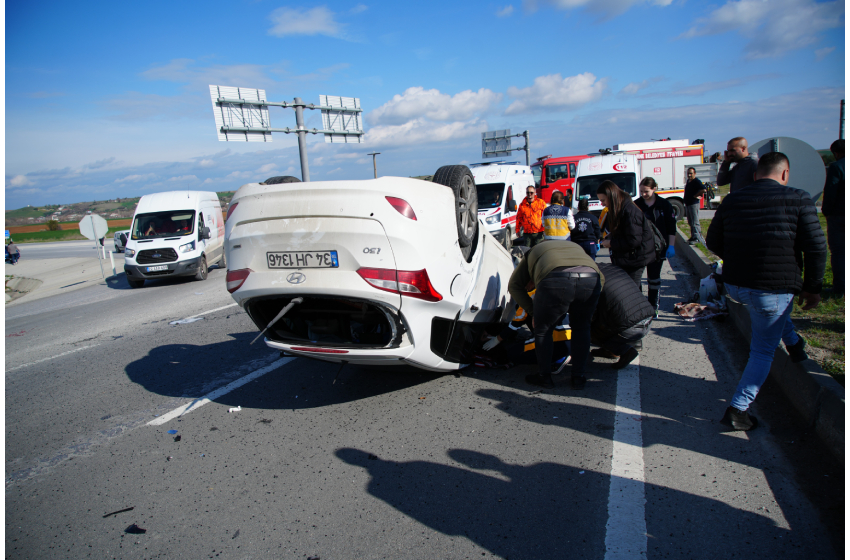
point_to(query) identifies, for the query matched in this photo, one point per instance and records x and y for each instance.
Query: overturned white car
(375, 272)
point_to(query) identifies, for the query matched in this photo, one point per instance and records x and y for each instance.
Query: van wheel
(222, 263)
(678, 208)
(135, 283)
(459, 179)
(202, 272)
(281, 179)
(508, 238)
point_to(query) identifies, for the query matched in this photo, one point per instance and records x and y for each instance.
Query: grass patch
(822, 327)
(61, 235)
(686, 229)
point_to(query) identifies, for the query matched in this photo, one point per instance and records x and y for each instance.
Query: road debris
(238, 408)
(172, 432)
(177, 438)
(119, 511)
(186, 321)
(135, 530)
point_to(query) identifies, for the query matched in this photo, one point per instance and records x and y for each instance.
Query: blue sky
(109, 99)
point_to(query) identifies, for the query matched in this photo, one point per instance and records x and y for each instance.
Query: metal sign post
(374, 163)
(497, 143)
(242, 114)
(94, 227)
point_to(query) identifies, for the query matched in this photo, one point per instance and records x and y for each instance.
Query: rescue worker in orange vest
(529, 218)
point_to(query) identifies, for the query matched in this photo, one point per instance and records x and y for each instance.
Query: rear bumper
(180, 268)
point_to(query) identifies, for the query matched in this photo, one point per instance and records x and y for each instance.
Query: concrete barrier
(812, 391)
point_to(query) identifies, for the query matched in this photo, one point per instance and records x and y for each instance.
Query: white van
(178, 233)
(501, 187)
(620, 168)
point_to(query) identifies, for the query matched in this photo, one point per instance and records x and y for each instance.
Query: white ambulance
(501, 187)
(178, 233)
(620, 168)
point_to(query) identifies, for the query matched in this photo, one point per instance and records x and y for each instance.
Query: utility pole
(374, 163)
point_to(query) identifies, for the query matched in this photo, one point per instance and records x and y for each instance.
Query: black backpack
(658, 239)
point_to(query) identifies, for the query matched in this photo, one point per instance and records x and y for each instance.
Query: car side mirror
(205, 233)
(512, 205)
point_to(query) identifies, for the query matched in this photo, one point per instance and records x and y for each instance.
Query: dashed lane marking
(50, 358)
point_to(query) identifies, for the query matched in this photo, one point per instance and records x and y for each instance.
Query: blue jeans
(770, 315)
(590, 247)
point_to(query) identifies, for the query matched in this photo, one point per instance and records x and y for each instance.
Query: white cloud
(267, 168)
(554, 92)
(136, 178)
(699, 89)
(295, 21)
(635, 87)
(505, 12)
(359, 9)
(606, 8)
(239, 175)
(773, 28)
(20, 181)
(423, 131)
(820, 54)
(417, 102)
(206, 163)
(333, 171)
(184, 178)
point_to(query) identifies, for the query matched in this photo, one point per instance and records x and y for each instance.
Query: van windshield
(490, 195)
(587, 185)
(163, 224)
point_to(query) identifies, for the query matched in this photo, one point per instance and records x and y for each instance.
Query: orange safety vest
(529, 218)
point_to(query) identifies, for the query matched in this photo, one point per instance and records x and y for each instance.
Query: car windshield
(163, 224)
(490, 195)
(588, 185)
(537, 171)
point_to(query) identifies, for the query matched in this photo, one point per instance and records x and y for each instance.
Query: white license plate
(303, 259)
(155, 268)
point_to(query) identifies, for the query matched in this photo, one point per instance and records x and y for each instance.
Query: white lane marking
(50, 358)
(198, 403)
(207, 312)
(625, 533)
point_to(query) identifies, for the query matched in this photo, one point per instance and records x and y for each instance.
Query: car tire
(508, 238)
(459, 178)
(222, 263)
(135, 283)
(281, 179)
(678, 208)
(202, 272)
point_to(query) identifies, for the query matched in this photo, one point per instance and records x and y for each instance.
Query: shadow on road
(192, 371)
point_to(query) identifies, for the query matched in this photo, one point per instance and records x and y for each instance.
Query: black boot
(739, 420)
(798, 351)
(653, 298)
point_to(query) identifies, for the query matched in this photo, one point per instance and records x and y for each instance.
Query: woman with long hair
(631, 243)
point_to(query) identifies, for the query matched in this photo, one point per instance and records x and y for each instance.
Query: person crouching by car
(567, 282)
(558, 221)
(586, 232)
(622, 317)
(631, 241)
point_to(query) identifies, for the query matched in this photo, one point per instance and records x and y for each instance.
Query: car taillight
(407, 283)
(235, 278)
(402, 206)
(230, 210)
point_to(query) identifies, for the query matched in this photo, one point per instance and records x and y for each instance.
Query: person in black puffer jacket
(586, 233)
(631, 242)
(621, 319)
(766, 234)
(659, 211)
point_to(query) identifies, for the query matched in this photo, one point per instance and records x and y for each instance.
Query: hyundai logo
(296, 278)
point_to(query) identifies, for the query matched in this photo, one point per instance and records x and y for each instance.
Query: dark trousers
(560, 293)
(532, 239)
(620, 343)
(653, 278)
(835, 237)
(635, 274)
(692, 213)
(590, 247)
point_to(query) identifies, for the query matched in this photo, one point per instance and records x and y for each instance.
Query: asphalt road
(384, 463)
(64, 249)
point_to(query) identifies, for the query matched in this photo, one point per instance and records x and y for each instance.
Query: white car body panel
(355, 219)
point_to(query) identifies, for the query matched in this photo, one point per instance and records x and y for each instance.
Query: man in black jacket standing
(760, 233)
(740, 176)
(694, 189)
(833, 209)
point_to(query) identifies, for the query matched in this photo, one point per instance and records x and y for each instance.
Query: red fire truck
(555, 174)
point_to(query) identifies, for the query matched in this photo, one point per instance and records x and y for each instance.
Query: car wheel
(135, 283)
(201, 274)
(508, 238)
(459, 179)
(222, 263)
(281, 179)
(678, 208)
